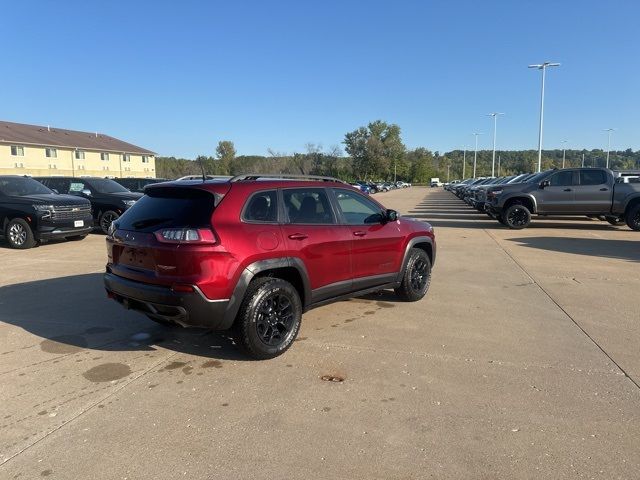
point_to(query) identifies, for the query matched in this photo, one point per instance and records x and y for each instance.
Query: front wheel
(517, 217)
(19, 234)
(633, 218)
(416, 278)
(106, 219)
(269, 318)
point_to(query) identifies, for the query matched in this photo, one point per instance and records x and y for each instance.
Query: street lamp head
(609, 130)
(540, 66)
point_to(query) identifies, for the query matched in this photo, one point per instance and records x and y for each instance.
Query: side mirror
(86, 192)
(545, 183)
(55, 191)
(391, 215)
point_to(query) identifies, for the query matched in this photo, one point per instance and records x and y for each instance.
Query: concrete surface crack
(575, 322)
(90, 407)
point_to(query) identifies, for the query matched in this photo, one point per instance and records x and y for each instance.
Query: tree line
(376, 152)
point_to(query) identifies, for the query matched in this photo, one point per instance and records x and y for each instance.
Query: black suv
(30, 212)
(108, 199)
(138, 184)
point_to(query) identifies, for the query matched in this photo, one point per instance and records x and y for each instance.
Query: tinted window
(592, 177)
(169, 207)
(356, 209)
(561, 179)
(307, 205)
(105, 185)
(262, 207)
(20, 186)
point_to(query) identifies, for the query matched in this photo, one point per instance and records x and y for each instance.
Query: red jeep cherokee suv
(252, 253)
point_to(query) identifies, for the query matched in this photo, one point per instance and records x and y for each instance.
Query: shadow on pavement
(620, 249)
(73, 313)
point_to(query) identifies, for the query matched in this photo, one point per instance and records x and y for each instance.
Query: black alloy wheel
(275, 319)
(517, 217)
(106, 219)
(269, 318)
(417, 276)
(633, 217)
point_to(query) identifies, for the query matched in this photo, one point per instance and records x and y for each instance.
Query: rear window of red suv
(169, 207)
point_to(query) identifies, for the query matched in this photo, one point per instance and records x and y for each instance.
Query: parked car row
(375, 187)
(594, 192)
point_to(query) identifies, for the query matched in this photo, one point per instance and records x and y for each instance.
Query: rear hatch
(164, 237)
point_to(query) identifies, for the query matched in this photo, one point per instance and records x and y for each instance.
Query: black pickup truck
(30, 213)
(108, 199)
(570, 191)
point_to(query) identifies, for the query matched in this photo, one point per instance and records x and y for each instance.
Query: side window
(561, 179)
(592, 177)
(308, 206)
(76, 187)
(356, 209)
(262, 207)
(59, 184)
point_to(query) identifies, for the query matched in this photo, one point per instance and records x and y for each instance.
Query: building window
(104, 156)
(51, 152)
(145, 158)
(126, 157)
(79, 154)
(17, 150)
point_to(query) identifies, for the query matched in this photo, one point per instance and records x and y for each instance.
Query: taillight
(185, 235)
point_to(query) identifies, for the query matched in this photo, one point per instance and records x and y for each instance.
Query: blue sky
(178, 76)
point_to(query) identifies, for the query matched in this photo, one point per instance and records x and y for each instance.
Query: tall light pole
(609, 130)
(564, 145)
(464, 161)
(475, 155)
(495, 128)
(498, 165)
(542, 67)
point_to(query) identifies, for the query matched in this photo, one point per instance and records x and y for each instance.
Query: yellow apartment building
(48, 151)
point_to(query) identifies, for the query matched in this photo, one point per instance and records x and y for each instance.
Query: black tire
(517, 216)
(105, 220)
(269, 318)
(76, 238)
(500, 219)
(616, 221)
(417, 276)
(19, 234)
(633, 217)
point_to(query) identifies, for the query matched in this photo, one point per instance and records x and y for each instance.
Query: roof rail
(284, 176)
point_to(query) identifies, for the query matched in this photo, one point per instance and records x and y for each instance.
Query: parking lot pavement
(520, 363)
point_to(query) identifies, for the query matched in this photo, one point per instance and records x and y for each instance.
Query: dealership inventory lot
(521, 362)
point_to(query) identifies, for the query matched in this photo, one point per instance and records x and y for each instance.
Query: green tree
(375, 149)
(226, 154)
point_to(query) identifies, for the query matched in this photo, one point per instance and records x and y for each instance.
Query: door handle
(359, 233)
(297, 236)
(567, 190)
(604, 189)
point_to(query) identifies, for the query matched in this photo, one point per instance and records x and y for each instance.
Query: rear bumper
(186, 309)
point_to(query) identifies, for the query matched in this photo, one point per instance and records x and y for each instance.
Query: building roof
(24, 134)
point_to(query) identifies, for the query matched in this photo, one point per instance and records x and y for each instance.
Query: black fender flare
(410, 244)
(254, 269)
(516, 195)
